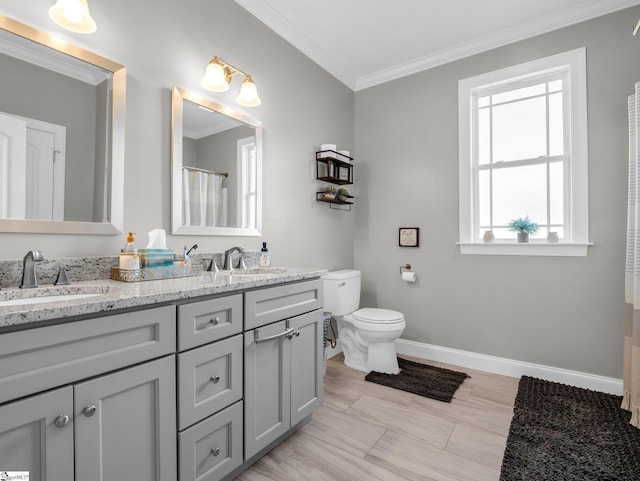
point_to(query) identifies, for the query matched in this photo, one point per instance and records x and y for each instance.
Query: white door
(32, 168)
(46, 160)
(39, 179)
(13, 145)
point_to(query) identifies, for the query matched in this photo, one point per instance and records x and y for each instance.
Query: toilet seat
(375, 316)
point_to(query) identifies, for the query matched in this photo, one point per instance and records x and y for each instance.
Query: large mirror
(216, 165)
(61, 135)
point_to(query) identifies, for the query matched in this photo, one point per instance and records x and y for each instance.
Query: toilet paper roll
(409, 276)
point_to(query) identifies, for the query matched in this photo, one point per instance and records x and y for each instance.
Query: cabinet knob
(61, 421)
(89, 411)
(214, 321)
(215, 451)
(289, 336)
(215, 379)
(297, 333)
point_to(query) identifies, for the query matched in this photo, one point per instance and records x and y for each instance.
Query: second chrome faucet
(228, 263)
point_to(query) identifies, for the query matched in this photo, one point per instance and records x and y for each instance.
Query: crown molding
(513, 34)
(272, 19)
(298, 39)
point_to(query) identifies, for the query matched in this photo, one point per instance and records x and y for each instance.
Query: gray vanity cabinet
(117, 426)
(283, 360)
(103, 423)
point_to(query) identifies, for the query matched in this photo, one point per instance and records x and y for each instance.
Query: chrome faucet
(29, 268)
(228, 264)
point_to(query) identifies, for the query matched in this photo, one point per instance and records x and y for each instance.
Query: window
(523, 152)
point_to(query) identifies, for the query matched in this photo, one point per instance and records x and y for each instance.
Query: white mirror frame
(116, 188)
(178, 96)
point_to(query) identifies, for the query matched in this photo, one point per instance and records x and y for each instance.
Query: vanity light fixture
(73, 15)
(217, 78)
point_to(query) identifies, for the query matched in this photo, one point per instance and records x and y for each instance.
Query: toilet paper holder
(406, 266)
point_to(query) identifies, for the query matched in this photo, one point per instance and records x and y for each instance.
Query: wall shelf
(335, 203)
(334, 167)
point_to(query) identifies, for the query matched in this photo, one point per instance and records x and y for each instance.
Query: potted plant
(523, 227)
(342, 194)
(329, 192)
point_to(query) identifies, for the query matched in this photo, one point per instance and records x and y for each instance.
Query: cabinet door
(306, 365)
(125, 424)
(266, 386)
(31, 440)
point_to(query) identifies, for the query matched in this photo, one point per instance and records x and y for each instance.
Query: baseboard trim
(508, 367)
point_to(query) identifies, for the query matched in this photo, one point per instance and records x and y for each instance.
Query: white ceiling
(367, 42)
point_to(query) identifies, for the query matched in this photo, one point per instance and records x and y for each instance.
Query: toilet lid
(378, 316)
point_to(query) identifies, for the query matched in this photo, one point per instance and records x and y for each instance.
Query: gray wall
(564, 312)
(165, 43)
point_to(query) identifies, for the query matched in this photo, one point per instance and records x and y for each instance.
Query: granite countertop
(108, 295)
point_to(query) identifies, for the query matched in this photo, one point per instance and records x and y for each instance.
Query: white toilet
(366, 335)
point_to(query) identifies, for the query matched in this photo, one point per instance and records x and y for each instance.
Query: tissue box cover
(156, 257)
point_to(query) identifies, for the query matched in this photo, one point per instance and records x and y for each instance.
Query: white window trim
(579, 208)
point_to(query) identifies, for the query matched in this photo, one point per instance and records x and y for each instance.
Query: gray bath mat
(422, 379)
(567, 433)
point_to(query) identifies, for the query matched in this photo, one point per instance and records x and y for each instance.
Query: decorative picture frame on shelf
(409, 236)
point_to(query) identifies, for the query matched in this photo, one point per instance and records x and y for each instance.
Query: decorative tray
(155, 273)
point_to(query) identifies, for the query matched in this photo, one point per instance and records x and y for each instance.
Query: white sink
(43, 299)
(42, 295)
(257, 272)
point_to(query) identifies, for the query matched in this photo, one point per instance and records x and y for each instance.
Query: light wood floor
(365, 431)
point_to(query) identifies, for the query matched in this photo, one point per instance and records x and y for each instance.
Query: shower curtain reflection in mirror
(204, 197)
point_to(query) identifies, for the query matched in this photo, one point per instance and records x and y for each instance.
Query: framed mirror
(62, 112)
(216, 168)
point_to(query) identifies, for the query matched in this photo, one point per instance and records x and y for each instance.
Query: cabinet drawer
(209, 379)
(212, 448)
(206, 321)
(37, 359)
(265, 306)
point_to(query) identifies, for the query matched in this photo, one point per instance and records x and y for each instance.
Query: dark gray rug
(561, 432)
(429, 381)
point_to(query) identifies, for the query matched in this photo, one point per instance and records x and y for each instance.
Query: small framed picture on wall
(409, 236)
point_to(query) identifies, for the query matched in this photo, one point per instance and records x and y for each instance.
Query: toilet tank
(341, 291)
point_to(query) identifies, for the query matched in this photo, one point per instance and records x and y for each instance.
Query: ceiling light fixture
(73, 15)
(217, 78)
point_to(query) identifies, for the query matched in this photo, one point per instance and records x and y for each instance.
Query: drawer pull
(61, 420)
(89, 411)
(286, 334)
(215, 379)
(214, 321)
(215, 451)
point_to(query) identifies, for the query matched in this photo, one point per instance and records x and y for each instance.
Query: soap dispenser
(265, 259)
(129, 258)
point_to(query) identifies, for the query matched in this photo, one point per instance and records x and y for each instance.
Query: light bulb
(248, 94)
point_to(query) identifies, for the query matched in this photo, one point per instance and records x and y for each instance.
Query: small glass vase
(552, 238)
(488, 237)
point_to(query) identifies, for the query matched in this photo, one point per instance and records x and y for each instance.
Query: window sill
(563, 249)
